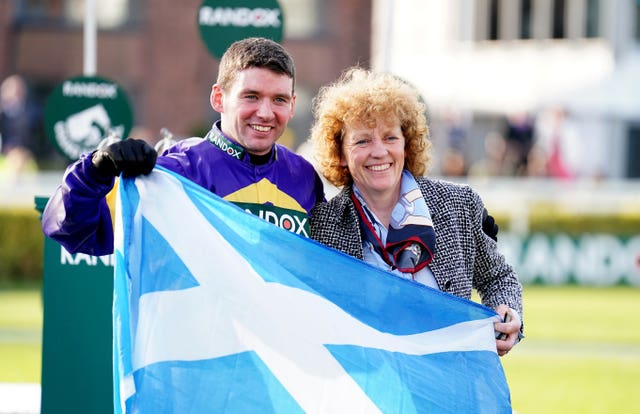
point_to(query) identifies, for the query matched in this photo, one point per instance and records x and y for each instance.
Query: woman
(371, 139)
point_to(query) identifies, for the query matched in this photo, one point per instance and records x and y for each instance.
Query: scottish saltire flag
(217, 311)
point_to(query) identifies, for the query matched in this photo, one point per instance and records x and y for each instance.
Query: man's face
(256, 108)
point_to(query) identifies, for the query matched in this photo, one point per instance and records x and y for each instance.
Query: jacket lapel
(438, 216)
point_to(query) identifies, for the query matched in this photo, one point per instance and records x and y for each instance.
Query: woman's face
(374, 157)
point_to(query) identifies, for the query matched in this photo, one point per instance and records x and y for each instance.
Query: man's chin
(260, 147)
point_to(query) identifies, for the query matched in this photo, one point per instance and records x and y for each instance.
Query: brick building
(153, 50)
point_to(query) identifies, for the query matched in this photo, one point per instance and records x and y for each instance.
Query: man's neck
(260, 159)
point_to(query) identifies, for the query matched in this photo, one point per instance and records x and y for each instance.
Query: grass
(20, 362)
(581, 353)
(20, 335)
(564, 383)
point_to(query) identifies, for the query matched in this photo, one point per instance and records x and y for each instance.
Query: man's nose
(264, 109)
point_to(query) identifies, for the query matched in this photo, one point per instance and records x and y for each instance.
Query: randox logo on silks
(216, 138)
(294, 221)
(222, 22)
(81, 111)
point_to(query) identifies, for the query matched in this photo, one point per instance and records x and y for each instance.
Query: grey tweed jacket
(465, 258)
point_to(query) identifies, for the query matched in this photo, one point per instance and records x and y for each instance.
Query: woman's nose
(378, 148)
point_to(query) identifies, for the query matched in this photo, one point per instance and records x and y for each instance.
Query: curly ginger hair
(361, 96)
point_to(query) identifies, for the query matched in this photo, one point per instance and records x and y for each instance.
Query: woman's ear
(343, 161)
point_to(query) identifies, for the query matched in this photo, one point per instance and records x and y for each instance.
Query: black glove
(489, 225)
(131, 157)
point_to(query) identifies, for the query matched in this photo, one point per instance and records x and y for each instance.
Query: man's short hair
(254, 52)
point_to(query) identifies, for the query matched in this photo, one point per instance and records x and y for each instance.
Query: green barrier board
(77, 332)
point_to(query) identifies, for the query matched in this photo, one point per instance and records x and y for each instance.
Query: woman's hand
(507, 332)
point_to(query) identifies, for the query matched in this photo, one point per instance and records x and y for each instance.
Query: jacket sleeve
(77, 215)
(494, 278)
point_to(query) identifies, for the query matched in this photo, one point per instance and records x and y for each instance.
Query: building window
(592, 27)
(301, 18)
(494, 19)
(637, 31)
(110, 14)
(633, 162)
(557, 28)
(525, 19)
(539, 19)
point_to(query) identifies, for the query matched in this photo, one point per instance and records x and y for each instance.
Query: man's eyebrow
(257, 92)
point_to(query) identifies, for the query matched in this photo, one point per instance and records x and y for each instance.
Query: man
(238, 159)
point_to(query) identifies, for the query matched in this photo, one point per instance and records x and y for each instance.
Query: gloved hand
(131, 157)
(489, 225)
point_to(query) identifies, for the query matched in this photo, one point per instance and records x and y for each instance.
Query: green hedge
(21, 245)
(549, 217)
(572, 224)
(22, 241)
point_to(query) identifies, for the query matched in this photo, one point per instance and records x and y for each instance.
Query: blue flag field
(218, 311)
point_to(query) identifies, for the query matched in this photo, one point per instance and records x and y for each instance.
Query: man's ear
(293, 106)
(216, 98)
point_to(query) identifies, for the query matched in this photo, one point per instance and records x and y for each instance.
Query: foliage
(21, 238)
(550, 217)
(21, 245)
